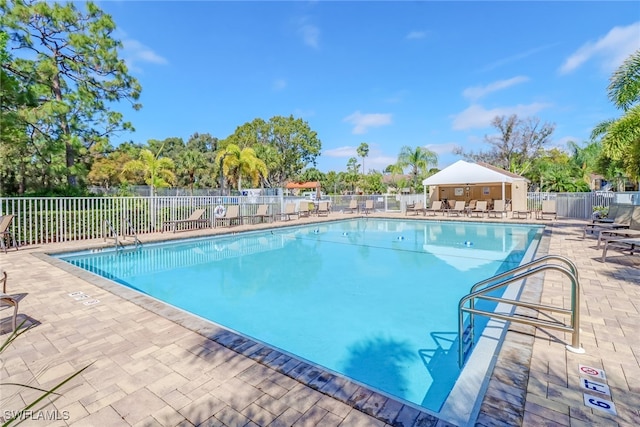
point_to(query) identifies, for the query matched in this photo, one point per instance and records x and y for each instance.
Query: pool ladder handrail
(514, 275)
(106, 224)
(132, 233)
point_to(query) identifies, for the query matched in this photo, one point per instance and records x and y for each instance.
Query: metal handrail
(526, 271)
(132, 232)
(527, 266)
(107, 224)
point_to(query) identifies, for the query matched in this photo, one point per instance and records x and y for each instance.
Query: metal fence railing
(40, 220)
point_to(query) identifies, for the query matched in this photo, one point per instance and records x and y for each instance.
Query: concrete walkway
(154, 365)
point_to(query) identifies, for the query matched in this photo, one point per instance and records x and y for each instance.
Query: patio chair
(611, 214)
(499, 208)
(231, 214)
(6, 234)
(436, 206)
(353, 206)
(471, 206)
(613, 230)
(303, 210)
(289, 211)
(548, 209)
(9, 300)
(622, 220)
(194, 220)
(632, 245)
(416, 208)
(480, 210)
(368, 206)
(458, 208)
(262, 213)
(323, 208)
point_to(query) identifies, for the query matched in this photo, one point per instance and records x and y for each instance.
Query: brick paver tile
(106, 417)
(136, 406)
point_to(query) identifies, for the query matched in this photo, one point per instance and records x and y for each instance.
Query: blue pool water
(373, 299)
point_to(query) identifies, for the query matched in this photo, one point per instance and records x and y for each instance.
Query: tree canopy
(621, 136)
(518, 143)
(286, 145)
(67, 59)
(418, 160)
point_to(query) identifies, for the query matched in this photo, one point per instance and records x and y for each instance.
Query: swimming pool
(375, 300)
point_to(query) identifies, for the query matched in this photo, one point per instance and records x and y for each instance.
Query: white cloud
(134, 52)
(446, 148)
(378, 163)
(415, 35)
(477, 92)
(375, 160)
(362, 122)
(611, 49)
(476, 116)
(516, 57)
(279, 84)
(309, 32)
(346, 151)
(397, 96)
(303, 113)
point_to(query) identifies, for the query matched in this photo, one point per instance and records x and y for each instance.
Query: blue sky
(426, 73)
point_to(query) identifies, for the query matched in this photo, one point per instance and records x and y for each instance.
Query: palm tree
(157, 171)
(585, 158)
(363, 151)
(191, 163)
(621, 137)
(418, 159)
(237, 162)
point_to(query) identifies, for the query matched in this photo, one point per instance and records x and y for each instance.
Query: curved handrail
(527, 271)
(526, 266)
(133, 232)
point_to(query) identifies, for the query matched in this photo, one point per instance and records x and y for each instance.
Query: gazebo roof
(463, 173)
(301, 185)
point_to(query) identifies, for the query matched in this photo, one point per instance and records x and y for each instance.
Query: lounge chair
(323, 209)
(368, 206)
(480, 210)
(471, 206)
(611, 214)
(9, 300)
(458, 208)
(632, 245)
(232, 214)
(611, 230)
(499, 208)
(436, 206)
(522, 214)
(303, 210)
(548, 209)
(620, 221)
(289, 211)
(195, 219)
(262, 213)
(6, 234)
(353, 206)
(417, 208)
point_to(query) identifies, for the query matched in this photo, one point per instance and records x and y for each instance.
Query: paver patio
(154, 365)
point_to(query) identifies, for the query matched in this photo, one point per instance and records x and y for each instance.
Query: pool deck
(152, 365)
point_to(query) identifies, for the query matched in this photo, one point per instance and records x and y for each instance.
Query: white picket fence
(40, 220)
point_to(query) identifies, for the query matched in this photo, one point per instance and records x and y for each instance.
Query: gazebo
(296, 187)
(477, 181)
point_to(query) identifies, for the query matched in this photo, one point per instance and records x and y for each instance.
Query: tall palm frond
(624, 86)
